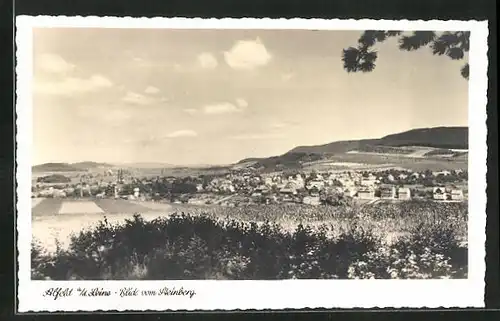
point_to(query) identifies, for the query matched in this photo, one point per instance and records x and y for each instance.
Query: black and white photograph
(297, 154)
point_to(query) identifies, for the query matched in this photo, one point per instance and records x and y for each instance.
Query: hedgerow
(206, 247)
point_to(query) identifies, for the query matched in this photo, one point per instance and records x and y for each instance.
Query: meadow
(415, 239)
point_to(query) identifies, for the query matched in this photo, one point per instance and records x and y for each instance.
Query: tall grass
(207, 247)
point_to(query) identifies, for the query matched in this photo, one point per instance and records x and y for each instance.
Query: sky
(188, 97)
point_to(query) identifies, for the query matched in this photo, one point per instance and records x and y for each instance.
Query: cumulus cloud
(151, 90)
(182, 133)
(54, 64)
(221, 108)
(242, 103)
(207, 60)
(137, 99)
(73, 85)
(247, 54)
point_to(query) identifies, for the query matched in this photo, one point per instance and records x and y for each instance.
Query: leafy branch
(363, 56)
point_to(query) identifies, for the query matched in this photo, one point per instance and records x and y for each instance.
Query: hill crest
(436, 137)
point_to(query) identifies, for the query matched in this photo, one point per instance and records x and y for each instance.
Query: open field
(374, 161)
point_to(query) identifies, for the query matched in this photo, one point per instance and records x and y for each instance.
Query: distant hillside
(90, 165)
(55, 167)
(147, 165)
(289, 160)
(438, 137)
(441, 138)
(66, 167)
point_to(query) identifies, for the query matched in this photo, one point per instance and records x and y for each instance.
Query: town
(244, 187)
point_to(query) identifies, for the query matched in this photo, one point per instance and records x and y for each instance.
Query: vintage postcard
(233, 164)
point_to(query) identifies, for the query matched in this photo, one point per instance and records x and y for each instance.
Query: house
(316, 183)
(415, 175)
(444, 173)
(288, 191)
(439, 193)
(457, 195)
(262, 189)
(314, 192)
(196, 201)
(311, 200)
(370, 181)
(366, 194)
(404, 193)
(351, 192)
(58, 193)
(388, 193)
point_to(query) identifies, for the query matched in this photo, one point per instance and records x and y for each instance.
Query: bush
(204, 247)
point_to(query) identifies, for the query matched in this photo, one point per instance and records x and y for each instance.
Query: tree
(452, 44)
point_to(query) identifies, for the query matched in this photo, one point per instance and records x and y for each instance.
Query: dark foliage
(362, 58)
(55, 178)
(290, 160)
(201, 247)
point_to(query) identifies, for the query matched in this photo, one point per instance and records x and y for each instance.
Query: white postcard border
(242, 295)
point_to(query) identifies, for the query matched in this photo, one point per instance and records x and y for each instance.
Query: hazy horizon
(188, 97)
(207, 164)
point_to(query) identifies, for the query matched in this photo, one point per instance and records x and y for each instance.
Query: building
(351, 192)
(370, 181)
(439, 193)
(311, 200)
(316, 183)
(404, 193)
(288, 191)
(196, 201)
(263, 190)
(388, 193)
(366, 194)
(457, 195)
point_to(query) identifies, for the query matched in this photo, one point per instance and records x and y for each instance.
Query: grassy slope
(438, 137)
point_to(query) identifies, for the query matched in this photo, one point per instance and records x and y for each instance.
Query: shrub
(206, 247)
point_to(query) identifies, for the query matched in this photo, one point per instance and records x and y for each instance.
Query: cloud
(278, 125)
(72, 85)
(190, 111)
(137, 99)
(247, 54)
(242, 103)
(54, 64)
(221, 108)
(207, 60)
(257, 136)
(182, 133)
(282, 124)
(151, 90)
